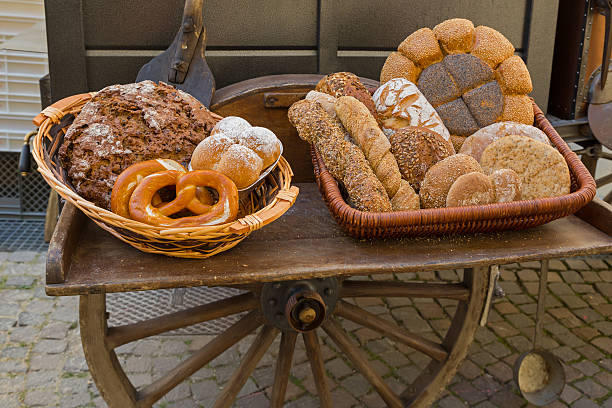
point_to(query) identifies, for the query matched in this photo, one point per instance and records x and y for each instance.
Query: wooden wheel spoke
(313, 350)
(154, 391)
(370, 320)
(339, 336)
(455, 291)
(283, 366)
(120, 335)
(241, 375)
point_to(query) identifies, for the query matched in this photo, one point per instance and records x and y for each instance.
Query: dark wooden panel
(103, 71)
(385, 23)
(306, 242)
(66, 48)
(139, 24)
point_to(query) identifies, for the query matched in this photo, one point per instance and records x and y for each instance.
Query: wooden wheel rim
(99, 343)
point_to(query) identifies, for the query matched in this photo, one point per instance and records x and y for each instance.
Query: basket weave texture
(484, 218)
(268, 201)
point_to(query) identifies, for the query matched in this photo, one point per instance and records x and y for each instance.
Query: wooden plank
(63, 242)
(141, 24)
(541, 47)
(67, 64)
(327, 41)
(225, 68)
(388, 22)
(456, 291)
(306, 242)
(317, 365)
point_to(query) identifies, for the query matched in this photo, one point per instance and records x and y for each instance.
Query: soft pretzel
(129, 179)
(225, 210)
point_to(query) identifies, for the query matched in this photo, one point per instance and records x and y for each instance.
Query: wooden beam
(283, 368)
(241, 375)
(455, 291)
(359, 360)
(327, 37)
(154, 391)
(370, 320)
(313, 350)
(120, 335)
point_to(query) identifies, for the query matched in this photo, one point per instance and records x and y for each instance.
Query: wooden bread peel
(183, 65)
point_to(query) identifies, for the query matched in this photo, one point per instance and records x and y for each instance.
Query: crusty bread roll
(421, 47)
(441, 176)
(231, 126)
(478, 142)
(473, 188)
(455, 35)
(399, 103)
(416, 149)
(513, 76)
(263, 142)
(346, 84)
(518, 108)
(542, 169)
(491, 46)
(344, 160)
(221, 153)
(405, 199)
(507, 184)
(399, 66)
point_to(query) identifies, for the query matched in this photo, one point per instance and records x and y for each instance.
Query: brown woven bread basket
(268, 201)
(485, 218)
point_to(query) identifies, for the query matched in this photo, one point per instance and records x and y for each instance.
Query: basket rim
(73, 104)
(366, 221)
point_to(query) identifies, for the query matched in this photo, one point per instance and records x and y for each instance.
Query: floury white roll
(399, 104)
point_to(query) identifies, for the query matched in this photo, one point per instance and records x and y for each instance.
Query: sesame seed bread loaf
(416, 149)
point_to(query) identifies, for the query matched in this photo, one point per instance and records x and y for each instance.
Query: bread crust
(542, 169)
(416, 150)
(507, 185)
(441, 176)
(455, 35)
(473, 188)
(340, 84)
(345, 161)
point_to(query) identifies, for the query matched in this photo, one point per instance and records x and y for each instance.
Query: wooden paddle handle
(191, 29)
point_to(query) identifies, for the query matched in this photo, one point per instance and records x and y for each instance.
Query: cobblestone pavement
(42, 363)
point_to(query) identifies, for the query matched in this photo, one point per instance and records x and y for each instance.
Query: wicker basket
(492, 217)
(268, 201)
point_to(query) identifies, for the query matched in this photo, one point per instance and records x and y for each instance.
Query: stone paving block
(585, 402)
(576, 264)
(501, 371)
(50, 346)
(22, 256)
(573, 301)
(586, 367)
(605, 288)
(591, 388)
(55, 330)
(75, 400)
(604, 343)
(596, 263)
(528, 275)
(254, 400)
(556, 265)
(20, 281)
(468, 392)
(30, 319)
(6, 324)
(606, 276)
(356, 385)
(451, 401)
(39, 398)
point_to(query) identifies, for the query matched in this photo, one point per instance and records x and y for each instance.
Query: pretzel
(225, 210)
(129, 178)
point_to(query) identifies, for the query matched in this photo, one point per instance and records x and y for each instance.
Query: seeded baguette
(364, 130)
(344, 160)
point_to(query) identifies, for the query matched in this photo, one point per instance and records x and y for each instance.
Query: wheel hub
(299, 305)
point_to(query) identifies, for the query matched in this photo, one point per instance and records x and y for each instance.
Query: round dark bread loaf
(125, 124)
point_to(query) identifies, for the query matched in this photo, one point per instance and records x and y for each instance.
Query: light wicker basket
(268, 201)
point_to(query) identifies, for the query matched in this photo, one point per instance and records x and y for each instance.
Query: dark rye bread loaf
(125, 124)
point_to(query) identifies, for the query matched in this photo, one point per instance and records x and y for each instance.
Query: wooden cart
(297, 273)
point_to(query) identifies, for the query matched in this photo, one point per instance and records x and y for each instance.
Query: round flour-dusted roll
(441, 176)
(416, 150)
(478, 142)
(399, 103)
(231, 126)
(221, 153)
(507, 184)
(473, 188)
(542, 169)
(263, 142)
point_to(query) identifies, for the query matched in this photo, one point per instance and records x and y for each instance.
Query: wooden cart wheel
(302, 316)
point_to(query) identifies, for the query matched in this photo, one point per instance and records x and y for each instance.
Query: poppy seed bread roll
(344, 160)
(364, 130)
